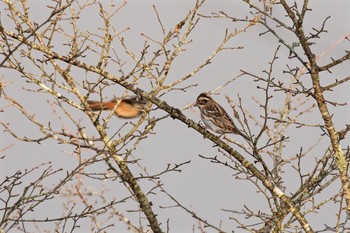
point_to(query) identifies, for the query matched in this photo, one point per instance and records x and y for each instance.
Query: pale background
(202, 186)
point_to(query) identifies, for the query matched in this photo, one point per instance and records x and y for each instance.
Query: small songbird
(215, 117)
(128, 107)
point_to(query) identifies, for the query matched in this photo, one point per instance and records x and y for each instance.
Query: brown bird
(215, 117)
(128, 107)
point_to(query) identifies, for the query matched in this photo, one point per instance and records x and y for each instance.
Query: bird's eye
(202, 101)
(138, 98)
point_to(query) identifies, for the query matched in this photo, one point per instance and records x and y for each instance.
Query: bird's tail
(98, 106)
(243, 135)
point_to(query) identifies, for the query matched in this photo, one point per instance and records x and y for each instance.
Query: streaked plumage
(215, 117)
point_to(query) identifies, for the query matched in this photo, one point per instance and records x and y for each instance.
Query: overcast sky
(202, 186)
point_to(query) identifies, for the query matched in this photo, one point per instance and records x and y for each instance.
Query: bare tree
(67, 67)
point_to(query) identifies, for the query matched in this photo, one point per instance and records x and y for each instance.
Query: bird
(215, 117)
(128, 107)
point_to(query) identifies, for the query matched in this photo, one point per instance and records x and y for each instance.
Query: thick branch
(176, 114)
(321, 102)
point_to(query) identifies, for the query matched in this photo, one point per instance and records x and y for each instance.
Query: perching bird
(215, 117)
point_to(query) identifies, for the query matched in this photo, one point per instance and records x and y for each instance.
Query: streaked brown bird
(128, 107)
(215, 117)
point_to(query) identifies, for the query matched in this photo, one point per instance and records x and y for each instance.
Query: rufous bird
(128, 107)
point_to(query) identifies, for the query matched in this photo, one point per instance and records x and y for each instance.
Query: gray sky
(202, 186)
